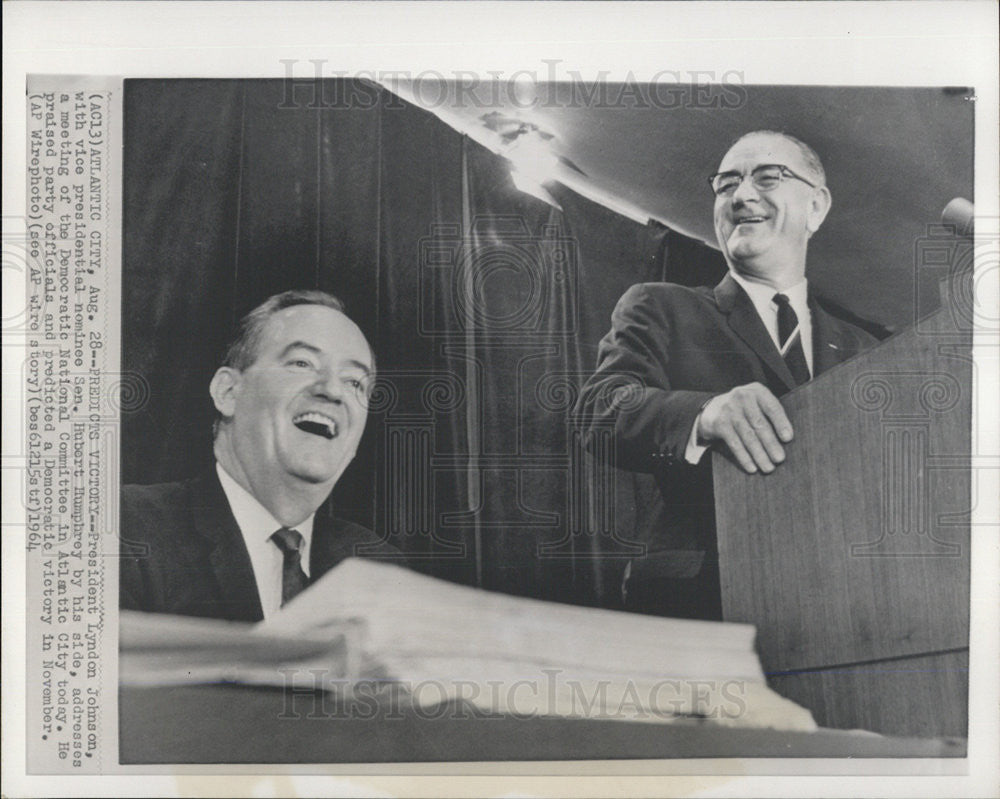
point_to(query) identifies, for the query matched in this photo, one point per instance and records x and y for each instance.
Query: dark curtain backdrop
(484, 306)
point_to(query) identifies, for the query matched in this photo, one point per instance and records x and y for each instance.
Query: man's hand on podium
(751, 422)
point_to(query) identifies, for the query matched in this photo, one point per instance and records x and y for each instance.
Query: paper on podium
(510, 654)
(159, 649)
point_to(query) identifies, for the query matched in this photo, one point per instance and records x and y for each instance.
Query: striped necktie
(790, 340)
(293, 579)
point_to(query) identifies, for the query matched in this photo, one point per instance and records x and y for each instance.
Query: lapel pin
(833, 346)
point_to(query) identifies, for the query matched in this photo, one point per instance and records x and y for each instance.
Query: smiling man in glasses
(686, 369)
(240, 541)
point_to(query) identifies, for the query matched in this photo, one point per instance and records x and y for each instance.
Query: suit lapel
(746, 323)
(323, 554)
(829, 345)
(229, 559)
(333, 541)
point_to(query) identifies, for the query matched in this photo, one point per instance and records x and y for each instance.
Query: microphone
(959, 214)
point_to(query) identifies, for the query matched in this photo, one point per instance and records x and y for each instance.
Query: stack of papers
(156, 649)
(506, 654)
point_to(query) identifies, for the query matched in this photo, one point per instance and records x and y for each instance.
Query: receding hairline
(243, 349)
(268, 323)
(809, 156)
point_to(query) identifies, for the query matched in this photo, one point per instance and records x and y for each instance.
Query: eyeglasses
(766, 177)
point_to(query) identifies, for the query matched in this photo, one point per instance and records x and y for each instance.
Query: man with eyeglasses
(686, 369)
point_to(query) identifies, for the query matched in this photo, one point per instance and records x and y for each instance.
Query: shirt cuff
(694, 450)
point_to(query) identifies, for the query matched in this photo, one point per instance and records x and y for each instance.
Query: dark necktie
(788, 328)
(293, 579)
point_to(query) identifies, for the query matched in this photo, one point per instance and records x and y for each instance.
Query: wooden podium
(852, 558)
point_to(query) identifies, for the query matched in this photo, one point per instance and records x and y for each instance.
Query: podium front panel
(852, 557)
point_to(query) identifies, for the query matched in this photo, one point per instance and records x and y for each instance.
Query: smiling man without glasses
(240, 541)
(685, 369)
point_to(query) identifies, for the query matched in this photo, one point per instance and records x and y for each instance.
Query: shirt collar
(762, 295)
(255, 521)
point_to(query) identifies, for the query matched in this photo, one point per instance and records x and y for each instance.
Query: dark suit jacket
(669, 351)
(182, 551)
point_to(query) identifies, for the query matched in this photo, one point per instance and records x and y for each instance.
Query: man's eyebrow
(362, 366)
(305, 345)
(299, 345)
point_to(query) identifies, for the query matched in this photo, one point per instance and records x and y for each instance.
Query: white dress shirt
(257, 526)
(762, 297)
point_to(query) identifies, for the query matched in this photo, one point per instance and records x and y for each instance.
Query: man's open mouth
(316, 423)
(750, 219)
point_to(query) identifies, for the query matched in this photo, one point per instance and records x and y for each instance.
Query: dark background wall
(484, 307)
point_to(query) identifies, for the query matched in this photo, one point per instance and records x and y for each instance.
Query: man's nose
(328, 386)
(745, 191)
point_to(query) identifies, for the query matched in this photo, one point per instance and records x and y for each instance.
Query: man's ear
(224, 388)
(819, 207)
